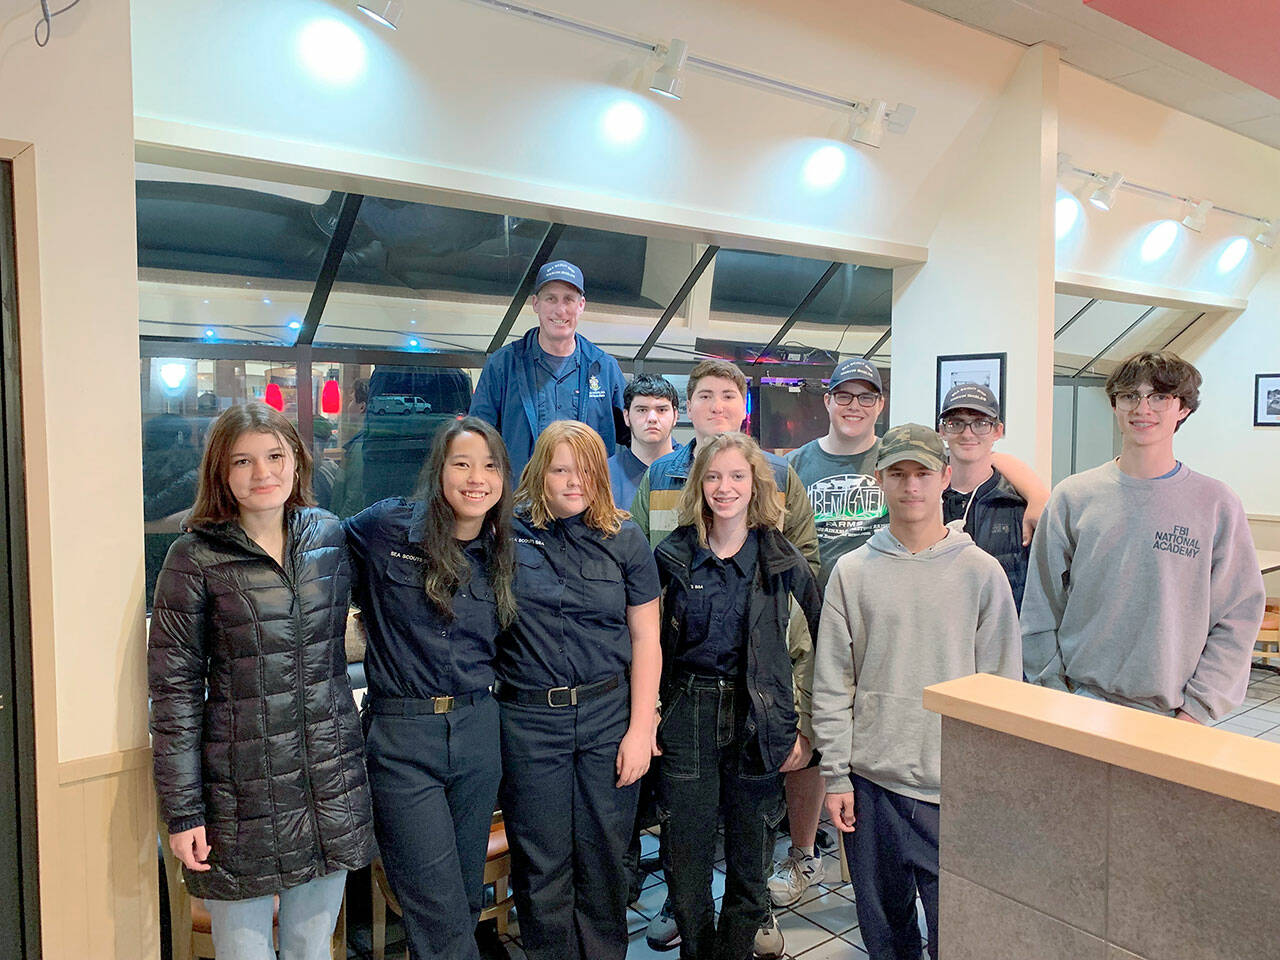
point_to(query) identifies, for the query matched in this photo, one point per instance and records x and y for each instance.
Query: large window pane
(226, 259)
(374, 444)
(417, 276)
(181, 398)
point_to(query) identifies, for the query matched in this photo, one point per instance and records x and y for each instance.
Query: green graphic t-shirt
(848, 504)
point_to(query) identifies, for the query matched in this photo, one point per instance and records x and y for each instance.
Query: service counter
(1073, 828)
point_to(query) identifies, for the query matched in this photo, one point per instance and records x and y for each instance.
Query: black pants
(435, 780)
(706, 766)
(568, 826)
(893, 852)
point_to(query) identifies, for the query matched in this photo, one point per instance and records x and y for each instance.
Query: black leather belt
(556, 696)
(416, 706)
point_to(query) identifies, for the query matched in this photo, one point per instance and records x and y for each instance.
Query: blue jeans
(308, 914)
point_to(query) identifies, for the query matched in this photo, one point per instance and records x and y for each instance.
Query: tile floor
(824, 924)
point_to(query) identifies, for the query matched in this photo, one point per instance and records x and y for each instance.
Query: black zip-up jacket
(994, 520)
(254, 729)
(781, 573)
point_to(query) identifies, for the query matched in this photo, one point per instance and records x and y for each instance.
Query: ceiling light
(869, 123)
(1105, 196)
(1270, 233)
(385, 12)
(1197, 215)
(668, 81)
(899, 118)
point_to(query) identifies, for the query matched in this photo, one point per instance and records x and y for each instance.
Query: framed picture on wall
(1266, 400)
(984, 368)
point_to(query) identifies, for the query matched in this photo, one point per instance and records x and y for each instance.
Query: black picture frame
(989, 369)
(1266, 400)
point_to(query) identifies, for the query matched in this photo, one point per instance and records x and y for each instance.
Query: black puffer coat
(271, 761)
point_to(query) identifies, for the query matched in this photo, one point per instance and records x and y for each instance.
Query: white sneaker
(769, 944)
(794, 876)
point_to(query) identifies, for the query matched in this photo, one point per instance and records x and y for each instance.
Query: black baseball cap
(971, 396)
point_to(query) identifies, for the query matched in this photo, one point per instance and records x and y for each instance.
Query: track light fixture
(1197, 214)
(668, 81)
(385, 12)
(1104, 197)
(868, 123)
(1270, 233)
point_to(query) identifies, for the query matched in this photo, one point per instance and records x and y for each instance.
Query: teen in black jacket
(259, 759)
(729, 726)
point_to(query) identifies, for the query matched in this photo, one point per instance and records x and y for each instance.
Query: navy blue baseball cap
(856, 368)
(561, 270)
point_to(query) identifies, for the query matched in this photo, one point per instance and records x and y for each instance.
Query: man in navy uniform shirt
(551, 373)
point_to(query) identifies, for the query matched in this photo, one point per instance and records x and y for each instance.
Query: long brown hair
(588, 451)
(763, 509)
(446, 566)
(215, 503)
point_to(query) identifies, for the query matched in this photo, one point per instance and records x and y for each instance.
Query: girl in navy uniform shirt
(729, 724)
(577, 683)
(433, 578)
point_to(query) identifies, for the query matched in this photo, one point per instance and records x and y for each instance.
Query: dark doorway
(19, 903)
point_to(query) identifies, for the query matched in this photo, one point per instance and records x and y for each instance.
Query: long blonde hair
(588, 452)
(763, 509)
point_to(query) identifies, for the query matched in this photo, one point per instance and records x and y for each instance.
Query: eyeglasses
(843, 399)
(980, 428)
(1158, 402)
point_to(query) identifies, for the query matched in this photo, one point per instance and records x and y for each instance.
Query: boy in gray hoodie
(917, 604)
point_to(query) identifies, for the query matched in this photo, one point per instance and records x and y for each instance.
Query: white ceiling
(1128, 58)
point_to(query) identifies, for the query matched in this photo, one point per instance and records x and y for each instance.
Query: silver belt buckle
(571, 691)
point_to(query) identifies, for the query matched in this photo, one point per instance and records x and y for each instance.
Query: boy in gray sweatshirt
(1144, 587)
(917, 604)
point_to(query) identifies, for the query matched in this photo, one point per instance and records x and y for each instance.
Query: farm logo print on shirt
(1177, 539)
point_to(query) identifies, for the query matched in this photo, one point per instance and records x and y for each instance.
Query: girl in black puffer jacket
(259, 759)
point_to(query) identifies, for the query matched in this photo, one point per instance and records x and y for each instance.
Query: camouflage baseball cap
(912, 441)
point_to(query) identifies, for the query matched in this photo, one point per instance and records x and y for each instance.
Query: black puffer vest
(254, 729)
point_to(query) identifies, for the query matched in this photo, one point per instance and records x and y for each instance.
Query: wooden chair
(191, 932)
(1267, 646)
(497, 870)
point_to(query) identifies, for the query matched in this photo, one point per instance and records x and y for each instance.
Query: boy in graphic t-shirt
(1144, 587)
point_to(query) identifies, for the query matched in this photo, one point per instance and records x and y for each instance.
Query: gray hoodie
(893, 623)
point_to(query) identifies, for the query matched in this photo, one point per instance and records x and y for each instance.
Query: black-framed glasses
(980, 427)
(843, 398)
(1158, 402)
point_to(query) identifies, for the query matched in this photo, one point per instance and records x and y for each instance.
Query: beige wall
(66, 112)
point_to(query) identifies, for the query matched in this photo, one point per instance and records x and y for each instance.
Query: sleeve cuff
(839, 785)
(186, 823)
(1196, 709)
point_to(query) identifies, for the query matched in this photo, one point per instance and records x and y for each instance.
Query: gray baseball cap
(912, 441)
(971, 396)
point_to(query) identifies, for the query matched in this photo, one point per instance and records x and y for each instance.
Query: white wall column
(988, 285)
